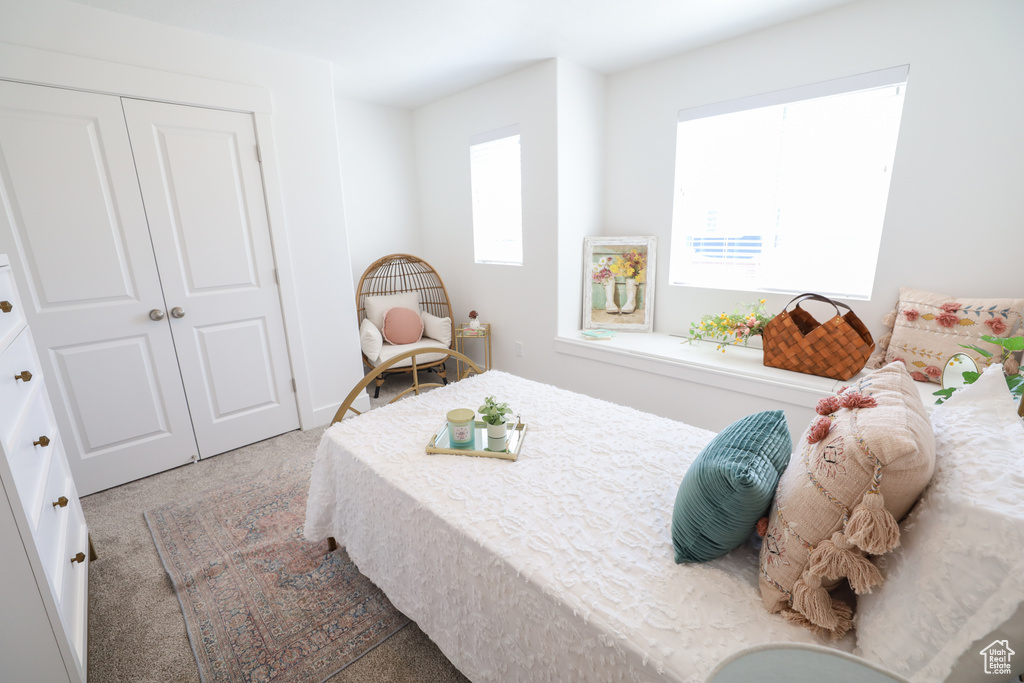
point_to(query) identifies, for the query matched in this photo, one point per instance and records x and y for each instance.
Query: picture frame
(618, 283)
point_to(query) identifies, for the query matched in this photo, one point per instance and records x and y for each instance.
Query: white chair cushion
(370, 339)
(437, 328)
(376, 306)
(389, 351)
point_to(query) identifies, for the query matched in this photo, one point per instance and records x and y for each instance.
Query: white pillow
(955, 583)
(439, 329)
(376, 306)
(370, 339)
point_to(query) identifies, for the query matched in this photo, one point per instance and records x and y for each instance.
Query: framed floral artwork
(618, 283)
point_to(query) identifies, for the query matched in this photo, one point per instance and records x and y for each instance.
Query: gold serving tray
(439, 443)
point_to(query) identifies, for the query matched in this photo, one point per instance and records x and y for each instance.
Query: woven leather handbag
(837, 348)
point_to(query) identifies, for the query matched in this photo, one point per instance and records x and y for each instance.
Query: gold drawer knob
(61, 502)
(44, 441)
(24, 376)
(6, 306)
(79, 557)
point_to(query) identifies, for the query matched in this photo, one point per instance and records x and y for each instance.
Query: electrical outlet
(519, 349)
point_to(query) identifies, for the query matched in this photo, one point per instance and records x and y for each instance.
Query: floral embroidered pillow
(929, 328)
(854, 473)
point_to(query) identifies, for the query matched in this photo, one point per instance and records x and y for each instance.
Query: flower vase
(631, 287)
(474, 324)
(609, 297)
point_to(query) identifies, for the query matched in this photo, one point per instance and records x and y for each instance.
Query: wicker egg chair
(397, 273)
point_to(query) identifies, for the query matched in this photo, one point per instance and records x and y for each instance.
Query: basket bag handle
(800, 298)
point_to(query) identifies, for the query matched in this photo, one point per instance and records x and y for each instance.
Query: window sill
(739, 369)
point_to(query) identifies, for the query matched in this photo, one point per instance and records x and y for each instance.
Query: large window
(496, 183)
(786, 191)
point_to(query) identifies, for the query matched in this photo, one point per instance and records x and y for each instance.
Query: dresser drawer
(58, 504)
(74, 597)
(32, 445)
(11, 315)
(18, 358)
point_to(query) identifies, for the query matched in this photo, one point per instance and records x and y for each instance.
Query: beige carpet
(136, 629)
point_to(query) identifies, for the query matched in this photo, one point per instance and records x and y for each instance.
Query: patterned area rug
(260, 603)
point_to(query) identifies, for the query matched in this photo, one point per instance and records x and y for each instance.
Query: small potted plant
(493, 413)
(473, 322)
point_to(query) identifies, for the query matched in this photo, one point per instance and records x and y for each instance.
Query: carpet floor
(137, 631)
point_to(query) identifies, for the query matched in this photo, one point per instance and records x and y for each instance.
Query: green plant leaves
(987, 354)
(1008, 343)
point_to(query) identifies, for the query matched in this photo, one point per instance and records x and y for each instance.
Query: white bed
(556, 567)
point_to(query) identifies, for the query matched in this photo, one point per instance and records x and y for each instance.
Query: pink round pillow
(402, 326)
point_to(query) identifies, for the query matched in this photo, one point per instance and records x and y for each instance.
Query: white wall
(378, 174)
(953, 218)
(305, 164)
(581, 123)
(519, 301)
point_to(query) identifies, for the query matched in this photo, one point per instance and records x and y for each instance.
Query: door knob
(24, 376)
(177, 312)
(6, 306)
(44, 441)
(79, 557)
(61, 502)
(156, 314)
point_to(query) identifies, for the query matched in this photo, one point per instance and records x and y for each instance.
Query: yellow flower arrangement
(631, 265)
(731, 329)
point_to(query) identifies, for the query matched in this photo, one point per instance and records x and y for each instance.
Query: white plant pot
(496, 436)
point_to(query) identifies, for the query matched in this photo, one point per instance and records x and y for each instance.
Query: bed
(558, 566)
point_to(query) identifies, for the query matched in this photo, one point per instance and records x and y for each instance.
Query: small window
(786, 191)
(496, 185)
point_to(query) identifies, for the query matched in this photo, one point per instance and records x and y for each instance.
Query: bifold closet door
(203, 192)
(73, 215)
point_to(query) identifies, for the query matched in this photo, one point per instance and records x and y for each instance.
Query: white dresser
(44, 542)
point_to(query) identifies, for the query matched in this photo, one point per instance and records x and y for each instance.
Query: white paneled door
(155, 311)
(203, 191)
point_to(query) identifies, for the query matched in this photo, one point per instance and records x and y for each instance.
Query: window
(786, 191)
(496, 185)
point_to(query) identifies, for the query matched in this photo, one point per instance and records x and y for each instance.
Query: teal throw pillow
(730, 486)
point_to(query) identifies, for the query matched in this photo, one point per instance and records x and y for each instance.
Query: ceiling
(406, 53)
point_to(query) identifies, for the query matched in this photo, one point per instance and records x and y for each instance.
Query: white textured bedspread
(556, 567)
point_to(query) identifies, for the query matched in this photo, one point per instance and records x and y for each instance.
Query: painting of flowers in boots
(618, 286)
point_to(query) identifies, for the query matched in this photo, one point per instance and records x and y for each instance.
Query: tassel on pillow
(877, 359)
(836, 558)
(812, 600)
(890, 319)
(871, 527)
(762, 527)
(844, 620)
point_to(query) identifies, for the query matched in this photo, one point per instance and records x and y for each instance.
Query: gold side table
(463, 332)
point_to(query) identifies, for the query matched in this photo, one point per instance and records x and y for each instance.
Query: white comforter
(556, 567)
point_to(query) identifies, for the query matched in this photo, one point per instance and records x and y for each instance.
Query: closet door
(203, 192)
(73, 217)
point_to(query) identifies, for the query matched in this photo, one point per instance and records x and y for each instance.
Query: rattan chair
(399, 273)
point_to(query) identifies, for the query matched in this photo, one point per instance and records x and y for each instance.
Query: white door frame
(43, 67)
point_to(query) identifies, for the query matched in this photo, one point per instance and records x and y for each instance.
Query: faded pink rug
(260, 603)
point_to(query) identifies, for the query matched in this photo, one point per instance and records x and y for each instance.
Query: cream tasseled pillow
(857, 469)
(928, 328)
